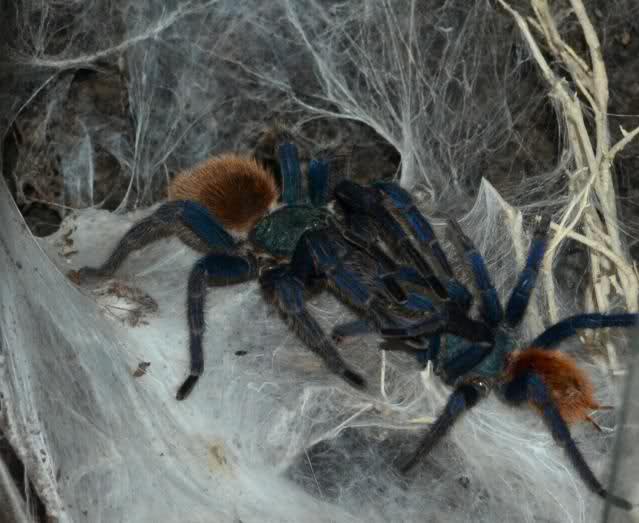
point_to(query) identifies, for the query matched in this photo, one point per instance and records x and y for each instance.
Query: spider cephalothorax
(231, 208)
(476, 356)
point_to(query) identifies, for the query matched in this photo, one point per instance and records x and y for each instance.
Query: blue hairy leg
(423, 232)
(453, 361)
(567, 328)
(286, 291)
(420, 227)
(318, 182)
(291, 174)
(413, 303)
(518, 302)
(448, 320)
(216, 270)
(362, 232)
(530, 387)
(186, 219)
(463, 398)
(357, 199)
(491, 308)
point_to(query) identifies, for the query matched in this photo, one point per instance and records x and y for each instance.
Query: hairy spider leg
(323, 255)
(362, 233)
(425, 351)
(450, 320)
(462, 399)
(186, 219)
(452, 368)
(292, 190)
(432, 353)
(518, 302)
(406, 274)
(567, 328)
(491, 308)
(286, 291)
(425, 348)
(411, 303)
(530, 387)
(419, 225)
(350, 329)
(318, 255)
(213, 270)
(456, 367)
(266, 149)
(399, 242)
(423, 232)
(318, 182)
(357, 199)
(454, 322)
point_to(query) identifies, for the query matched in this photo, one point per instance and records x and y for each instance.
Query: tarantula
(476, 356)
(228, 207)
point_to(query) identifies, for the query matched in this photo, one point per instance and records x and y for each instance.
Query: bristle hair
(235, 189)
(569, 385)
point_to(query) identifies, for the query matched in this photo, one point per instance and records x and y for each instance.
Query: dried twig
(591, 178)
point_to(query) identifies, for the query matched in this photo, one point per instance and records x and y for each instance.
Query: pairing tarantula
(475, 356)
(379, 255)
(229, 208)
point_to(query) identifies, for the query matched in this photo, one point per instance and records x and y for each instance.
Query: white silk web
(268, 434)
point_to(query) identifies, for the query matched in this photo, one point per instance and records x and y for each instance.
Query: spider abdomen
(569, 386)
(278, 233)
(235, 189)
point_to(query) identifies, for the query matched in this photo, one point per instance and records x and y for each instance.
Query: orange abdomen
(235, 189)
(570, 386)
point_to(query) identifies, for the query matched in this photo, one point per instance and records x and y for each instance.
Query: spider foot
(87, 275)
(350, 329)
(354, 379)
(186, 387)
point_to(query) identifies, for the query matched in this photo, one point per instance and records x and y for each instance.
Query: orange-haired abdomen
(235, 189)
(570, 386)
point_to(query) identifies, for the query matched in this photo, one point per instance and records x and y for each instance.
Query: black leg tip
(82, 275)
(186, 388)
(617, 501)
(406, 465)
(86, 275)
(354, 379)
(392, 332)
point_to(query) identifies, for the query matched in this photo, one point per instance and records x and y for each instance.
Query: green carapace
(278, 233)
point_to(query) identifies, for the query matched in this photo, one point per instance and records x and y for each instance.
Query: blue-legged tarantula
(229, 207)
(478, 356)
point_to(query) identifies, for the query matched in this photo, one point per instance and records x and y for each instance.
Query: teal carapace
(278, 233)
